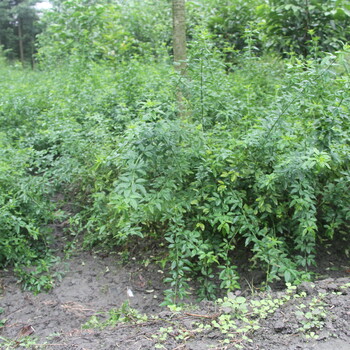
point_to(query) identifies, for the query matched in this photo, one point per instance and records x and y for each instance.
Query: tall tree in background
(179, 46)
(6, 33)
(18, 28)
(179, 35)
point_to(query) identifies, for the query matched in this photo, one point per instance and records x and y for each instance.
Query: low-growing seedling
(24, 343)
(240, 317)
(312, 317)
(345, 286)
(176, 332)
(124, 314)
(39, 276)
(3, 320)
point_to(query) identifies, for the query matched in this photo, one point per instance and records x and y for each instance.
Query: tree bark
(179, 49)
(179, 35)
(20, 41)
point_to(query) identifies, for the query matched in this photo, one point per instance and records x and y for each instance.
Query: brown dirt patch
(93, 285)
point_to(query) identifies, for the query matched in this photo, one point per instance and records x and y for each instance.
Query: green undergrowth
(259, 162)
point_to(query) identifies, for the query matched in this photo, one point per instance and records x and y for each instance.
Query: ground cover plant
(256, 159)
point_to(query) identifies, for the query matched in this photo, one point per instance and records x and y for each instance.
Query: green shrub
(25, 209)
(289, 27)
(259, 162)
(265, 184)
(296, 26)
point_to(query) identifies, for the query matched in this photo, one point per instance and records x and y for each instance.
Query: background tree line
(133, 28)
(19, 26)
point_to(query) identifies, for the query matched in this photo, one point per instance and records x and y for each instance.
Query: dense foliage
(289, 27)
(259, 163)
(112, 31)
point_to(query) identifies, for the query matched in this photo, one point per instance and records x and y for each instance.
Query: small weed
(38, 277)
(2, 321)
(178, 333)
(311, 317)
(25, 343)
(124, 314)
(163, 334)
(345, 286)
(175, 308)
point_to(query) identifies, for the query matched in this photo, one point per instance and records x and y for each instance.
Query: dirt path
(102, 304)
(93, 285)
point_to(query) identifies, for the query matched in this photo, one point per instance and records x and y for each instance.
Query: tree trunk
(179, 35)
(179, 46)
(20, 41)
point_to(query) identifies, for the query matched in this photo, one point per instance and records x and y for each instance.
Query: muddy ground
(316, 316)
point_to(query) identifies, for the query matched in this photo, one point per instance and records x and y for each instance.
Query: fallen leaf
(26, 330)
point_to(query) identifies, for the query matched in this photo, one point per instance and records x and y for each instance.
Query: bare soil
(92, 285)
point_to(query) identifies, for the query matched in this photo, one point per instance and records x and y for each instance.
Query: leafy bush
(34, 163)
(25, 208)
(266, 184)
(289, 27)
(296, 26)
(232, 24)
